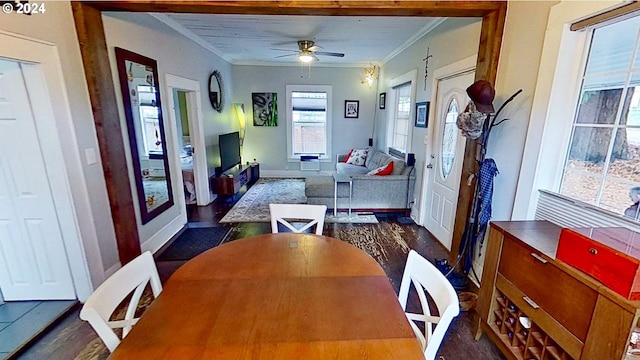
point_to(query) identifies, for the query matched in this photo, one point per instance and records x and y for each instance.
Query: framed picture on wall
(422, 114)
(351, 108)
(383, 100)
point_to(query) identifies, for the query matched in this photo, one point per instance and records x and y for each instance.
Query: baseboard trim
(165, 234)
(110, 271)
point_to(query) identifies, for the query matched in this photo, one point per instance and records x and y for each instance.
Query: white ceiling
(250, 39)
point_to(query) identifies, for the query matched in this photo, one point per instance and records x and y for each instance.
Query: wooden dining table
(275, 296)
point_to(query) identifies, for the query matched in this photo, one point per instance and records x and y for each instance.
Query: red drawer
(611, 265)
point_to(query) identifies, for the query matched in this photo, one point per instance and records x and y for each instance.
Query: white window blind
(401, 121)
(308, 122)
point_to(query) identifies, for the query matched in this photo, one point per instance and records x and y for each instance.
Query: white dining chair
(428, 280)
(280, 213)
(99, 307)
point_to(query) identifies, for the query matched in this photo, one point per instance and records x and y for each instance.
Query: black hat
(482, 94)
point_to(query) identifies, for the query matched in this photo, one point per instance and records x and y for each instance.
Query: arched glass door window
(449, 138)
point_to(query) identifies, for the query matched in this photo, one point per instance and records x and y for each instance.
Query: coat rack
(473, 230)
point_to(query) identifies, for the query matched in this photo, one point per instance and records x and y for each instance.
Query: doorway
(37, 228)
(185, 147)
(186, 123)
(445, 152)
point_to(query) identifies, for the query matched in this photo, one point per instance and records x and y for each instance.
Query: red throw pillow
(382, 170)
(347, 156)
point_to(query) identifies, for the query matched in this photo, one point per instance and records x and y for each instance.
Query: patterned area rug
(155, 189)
(254, 204)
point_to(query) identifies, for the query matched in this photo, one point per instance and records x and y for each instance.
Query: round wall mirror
(216, 91)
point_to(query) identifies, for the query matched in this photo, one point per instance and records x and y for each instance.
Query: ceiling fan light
(305, 58)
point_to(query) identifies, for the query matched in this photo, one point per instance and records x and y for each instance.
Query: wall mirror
(216, 91)
(141, 97)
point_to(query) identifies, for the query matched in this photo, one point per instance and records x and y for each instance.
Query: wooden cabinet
(533, 306)
(231, 182)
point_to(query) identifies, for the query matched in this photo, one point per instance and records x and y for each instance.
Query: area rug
(253, 206)
(192, 242)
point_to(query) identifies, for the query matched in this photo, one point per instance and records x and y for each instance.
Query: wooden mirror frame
(126, 76)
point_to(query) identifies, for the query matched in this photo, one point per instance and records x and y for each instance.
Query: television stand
(230, 182)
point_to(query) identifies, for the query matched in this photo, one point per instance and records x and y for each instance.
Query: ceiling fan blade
(315, 58)
(314, 48)
(329, 53)
(280, 56)
(284, 50)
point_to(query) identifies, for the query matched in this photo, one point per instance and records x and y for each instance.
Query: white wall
(465, 34)
(268, 145)
(90, 198)
(176, 55)
(517, 69)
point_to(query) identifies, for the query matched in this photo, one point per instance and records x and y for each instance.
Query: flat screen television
(229, 150)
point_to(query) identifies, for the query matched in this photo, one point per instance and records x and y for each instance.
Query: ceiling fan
(307, 51)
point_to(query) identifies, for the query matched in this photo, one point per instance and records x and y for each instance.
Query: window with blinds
(401, 121)
(603, 157)
(308, 120)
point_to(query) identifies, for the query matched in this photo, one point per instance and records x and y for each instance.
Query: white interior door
(34, 264)
(442, 179)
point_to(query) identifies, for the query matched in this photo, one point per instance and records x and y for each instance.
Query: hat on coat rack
(482, 94)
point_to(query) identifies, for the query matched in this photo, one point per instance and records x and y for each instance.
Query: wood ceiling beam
(98, 74)
(318, 8)
(93, 47)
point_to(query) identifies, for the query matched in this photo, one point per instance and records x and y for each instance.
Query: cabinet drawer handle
(539, 258)
(530, 302)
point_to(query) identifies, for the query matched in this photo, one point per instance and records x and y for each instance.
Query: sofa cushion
(323, 187)
(346, 157)
(376, 159)
(398, 166)
(349, 169)
(318, 186)
(358, 157)
(382, 170)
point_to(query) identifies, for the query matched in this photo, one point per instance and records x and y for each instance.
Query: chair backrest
(100, 305)
(313, 213)
(425, 277)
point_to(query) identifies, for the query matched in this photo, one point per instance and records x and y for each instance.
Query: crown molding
(424, 31)
(189, 34)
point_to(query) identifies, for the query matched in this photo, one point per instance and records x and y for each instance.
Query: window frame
(630, 70)
(289, 116)
(555, 102)
(392, 99)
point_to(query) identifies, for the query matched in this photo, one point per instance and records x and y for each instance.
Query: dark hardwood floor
(72, 338)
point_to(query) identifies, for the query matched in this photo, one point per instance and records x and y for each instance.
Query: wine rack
(525, 339)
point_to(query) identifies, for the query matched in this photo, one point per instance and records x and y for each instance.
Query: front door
(33, 260)
(442, 178)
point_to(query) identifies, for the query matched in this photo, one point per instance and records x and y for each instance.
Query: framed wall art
(422, 114)
(265, 109)
(382, 101)
(351, 108)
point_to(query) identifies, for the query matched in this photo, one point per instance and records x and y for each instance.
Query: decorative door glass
(449, 138)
